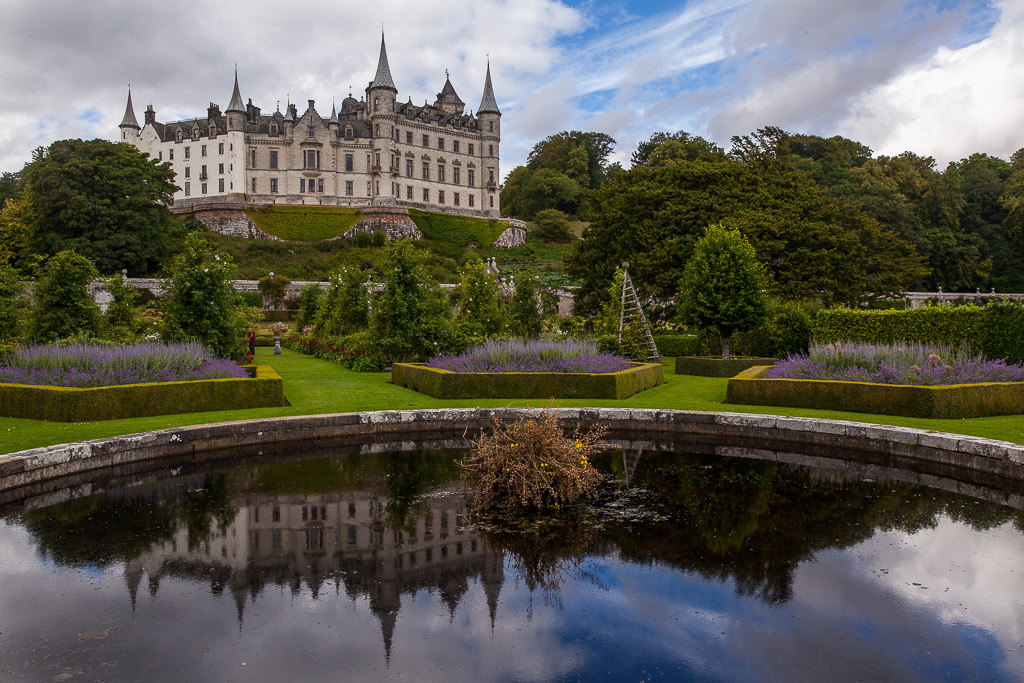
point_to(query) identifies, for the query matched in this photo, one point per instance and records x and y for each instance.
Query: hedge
(993, 330)
(62, 404)
(706, 366)
(672, 345)
(951, 402)
(544, 385)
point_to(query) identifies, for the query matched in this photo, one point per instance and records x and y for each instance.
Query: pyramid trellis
(633, 314)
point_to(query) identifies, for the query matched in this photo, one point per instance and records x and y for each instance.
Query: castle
(374, 152)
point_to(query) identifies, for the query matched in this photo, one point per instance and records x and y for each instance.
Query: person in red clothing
(252, 342)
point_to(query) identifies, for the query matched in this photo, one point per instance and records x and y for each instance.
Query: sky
(941, 78)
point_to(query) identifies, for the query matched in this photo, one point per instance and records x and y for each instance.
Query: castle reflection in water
(339, 538)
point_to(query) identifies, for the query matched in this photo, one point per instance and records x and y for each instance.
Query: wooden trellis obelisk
(633, 314)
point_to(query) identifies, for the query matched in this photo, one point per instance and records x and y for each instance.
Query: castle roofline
(383, 78)
(488, 105)
(236, 103)
(129, 120)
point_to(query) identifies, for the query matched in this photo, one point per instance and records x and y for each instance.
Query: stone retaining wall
(923, 454)
(392, 221)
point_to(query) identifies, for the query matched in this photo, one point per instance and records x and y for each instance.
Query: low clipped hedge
(61, 404)
(956, 401)
(711, 366)
(993, 330)
(458, 230)
(446, 384)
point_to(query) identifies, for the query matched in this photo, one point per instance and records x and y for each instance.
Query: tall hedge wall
(61, 404)
(543, 385)
(996, 330)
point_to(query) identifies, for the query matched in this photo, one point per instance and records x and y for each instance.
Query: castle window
(348, 187)
(220, 185)
(408, 168)
(273, 158)
(273, 129)
(188, 171)
(160, 156)
(302, 184)
(426, 195)
(492, 201)
(220, 148)
(212, 127)
(455, 146)
(471, 200)
(426, 170)
(220, 169)
(369, 188)
(202, 172)
(470, 149)
(320, 185)
(312, 132)
(253, 155)
(312, 158)
(470, 180)
(398, 135)
(195, 133)
(204, 188)
(273, 185)
(204, 150)
(351, 509)
(188, 152)
(348, 131)
(440, 173)
(456, 199)
(440, 143)
(376, 104)
(348, 163)
(490, 150)
(178, 135)
(490, 176)
(455, 175)
(170, 154)
(188, 189)
(253, 184)
(408, 137)
(426, 141)
(376, 130)
(440, 200)
(408, 191)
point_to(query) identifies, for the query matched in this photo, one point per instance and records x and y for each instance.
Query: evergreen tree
(62, 305)
(723, 285)
(480, 315)
(524, 316)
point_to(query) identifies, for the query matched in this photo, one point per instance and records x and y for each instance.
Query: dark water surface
(374, 567)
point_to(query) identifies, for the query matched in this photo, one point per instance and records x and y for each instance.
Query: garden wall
(956, 401)
(543, 385)
(61, 404)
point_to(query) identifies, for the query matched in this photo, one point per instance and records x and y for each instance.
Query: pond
(375, 566)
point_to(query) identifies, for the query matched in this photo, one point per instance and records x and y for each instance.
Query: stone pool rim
(899, 447)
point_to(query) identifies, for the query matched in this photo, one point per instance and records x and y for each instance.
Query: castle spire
(383, 78)
(488, 105)
(236, 98)
(334, 113)
(129, 120)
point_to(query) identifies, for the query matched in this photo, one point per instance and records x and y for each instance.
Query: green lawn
(315, 386)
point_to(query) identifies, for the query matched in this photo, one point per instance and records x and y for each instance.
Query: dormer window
(213, 128)
(195, 133)
(178, 135)
(312, 131)
(273, 129)
(348, 131)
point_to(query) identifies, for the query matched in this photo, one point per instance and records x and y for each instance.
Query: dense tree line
(827, 218)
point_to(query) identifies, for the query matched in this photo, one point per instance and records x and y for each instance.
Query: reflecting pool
(375, 566)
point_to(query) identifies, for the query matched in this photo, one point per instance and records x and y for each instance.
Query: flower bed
(99, 365)
(336, 351)
(911, 363)
(956, 401)
(531, 356)
(260, 387)
(447, 384)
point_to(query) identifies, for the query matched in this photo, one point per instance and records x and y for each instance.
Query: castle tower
(448, 100)
(381, 95)
(129, 125)
(490, 129)
(236, 109)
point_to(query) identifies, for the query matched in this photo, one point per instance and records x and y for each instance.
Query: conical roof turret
(383, 78)
(129, 120)
(236, 103)
(334, 114)
(488, 105)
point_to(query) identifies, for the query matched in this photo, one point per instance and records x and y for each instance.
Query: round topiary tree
(63, 306)
(723, 285)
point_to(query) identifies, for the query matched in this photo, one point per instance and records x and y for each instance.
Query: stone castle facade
(374, 152)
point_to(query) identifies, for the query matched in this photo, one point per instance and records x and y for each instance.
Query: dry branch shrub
(530, 463)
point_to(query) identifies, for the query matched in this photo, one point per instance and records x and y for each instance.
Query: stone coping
(900, 447)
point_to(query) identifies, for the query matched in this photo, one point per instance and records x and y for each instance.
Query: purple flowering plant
(516, 355)
(84, 365)
(910, 363)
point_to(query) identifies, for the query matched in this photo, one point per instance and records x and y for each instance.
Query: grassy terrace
(315, 386)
